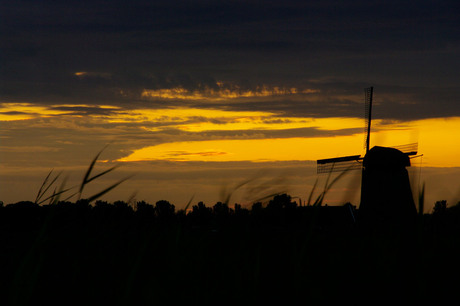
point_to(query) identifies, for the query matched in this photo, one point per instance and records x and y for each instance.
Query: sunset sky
(196, 97)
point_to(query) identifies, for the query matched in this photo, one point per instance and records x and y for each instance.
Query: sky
(199, 100)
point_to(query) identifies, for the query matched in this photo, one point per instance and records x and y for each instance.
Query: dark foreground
(112, 255)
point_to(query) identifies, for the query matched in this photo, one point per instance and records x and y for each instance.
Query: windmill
(355, 162)
(385, 183)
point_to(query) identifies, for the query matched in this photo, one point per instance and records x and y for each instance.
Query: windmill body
(386, 196)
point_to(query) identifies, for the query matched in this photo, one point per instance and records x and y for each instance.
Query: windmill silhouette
(386, 196)
(355, 162)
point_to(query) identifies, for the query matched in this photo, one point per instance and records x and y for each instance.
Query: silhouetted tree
(239, 210)
(221, 209)
(200, 214)
(201, 209)
(256, 207)
(282, 201)
(145, 211)
(103, 210)
(101, 203)
(440, 207)
(83, 203)
(122, 206)
(164, 209)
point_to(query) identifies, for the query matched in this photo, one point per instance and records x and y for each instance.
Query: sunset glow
(256, 150)
(223, 89)
(433, 135)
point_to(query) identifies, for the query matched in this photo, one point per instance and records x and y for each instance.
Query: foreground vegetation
(93, 252)
(123, 254)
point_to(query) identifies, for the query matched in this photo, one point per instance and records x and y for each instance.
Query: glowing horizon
(212, 136)
(430, 131)
(433, 135)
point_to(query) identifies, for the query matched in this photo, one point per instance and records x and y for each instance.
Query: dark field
(112, 254)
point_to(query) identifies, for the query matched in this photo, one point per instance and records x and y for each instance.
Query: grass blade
(48, 187)
(102, 173)
(311, 192)
(189, 202)
(337, 178)
(55, 194)
(71, 196)
(43, 185)
(98, 195)
(328, 186)
(88, 172)
(269, 196)
(60, 191)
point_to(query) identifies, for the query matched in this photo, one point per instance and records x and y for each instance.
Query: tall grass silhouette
(50, 182)
(327, 186)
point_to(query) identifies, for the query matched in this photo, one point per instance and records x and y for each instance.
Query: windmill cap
(384, 157)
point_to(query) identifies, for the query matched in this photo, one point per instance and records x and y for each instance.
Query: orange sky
(436, 137)
(205, 138)
(242, 85)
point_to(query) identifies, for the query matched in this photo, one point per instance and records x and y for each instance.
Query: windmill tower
(386, 197)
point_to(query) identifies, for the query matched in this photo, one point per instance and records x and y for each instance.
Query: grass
(327, 186)
(58, 192)
(113, 254)
(116, 254)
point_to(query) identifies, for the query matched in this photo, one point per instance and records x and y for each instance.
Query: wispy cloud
(76, 110)
(223, 91)
(181, 154)
(92, 74)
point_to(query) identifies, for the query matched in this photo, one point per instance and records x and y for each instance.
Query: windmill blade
(368, 115)
(409, 149)
(338, 164)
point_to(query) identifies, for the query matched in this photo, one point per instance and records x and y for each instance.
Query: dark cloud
(178, 154)
(282, 133)
(13, 113)
(334, 46)
(340, 99)
(84, 110)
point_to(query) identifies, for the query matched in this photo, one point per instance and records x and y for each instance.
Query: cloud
(179, 154)
(85, 110)
(27, 149)
(222, 91)
(13, 113)
(121, 52)
(92, 74)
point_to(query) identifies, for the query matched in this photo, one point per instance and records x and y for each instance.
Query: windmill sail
(367, 115)
(355, 162)
(408, 149)
(352, 162)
